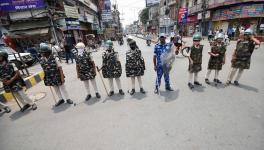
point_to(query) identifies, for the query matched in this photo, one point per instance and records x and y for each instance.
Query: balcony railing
(219, 3)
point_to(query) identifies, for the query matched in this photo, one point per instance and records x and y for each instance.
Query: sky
(129, 9)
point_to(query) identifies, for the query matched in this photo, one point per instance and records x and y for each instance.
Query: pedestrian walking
(13, 82)
(135, 66)
(54, 75)
(217, 58)
(86, 70)
(195, 60)
(241, 57)
(111, 68)
(161, 48)
(68, 52)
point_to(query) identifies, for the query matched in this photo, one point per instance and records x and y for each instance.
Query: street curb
(30, 82)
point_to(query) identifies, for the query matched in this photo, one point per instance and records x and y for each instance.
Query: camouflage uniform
(85, 62)
(216, 63)
(52, 74)
(7, 71)
(135, 64)
(196, 55)
(111, 66)
(243, 52)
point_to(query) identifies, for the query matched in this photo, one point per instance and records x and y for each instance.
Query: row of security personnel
(86, 71)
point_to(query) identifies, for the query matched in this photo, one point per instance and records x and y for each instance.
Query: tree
(144, 15)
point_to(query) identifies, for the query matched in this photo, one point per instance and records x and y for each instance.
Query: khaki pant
(23, 98)
(61, 92)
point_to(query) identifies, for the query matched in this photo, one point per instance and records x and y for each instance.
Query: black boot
(156, 91)
(25, 107)
(236, 83)
(98, 95)
(197, 83)
(190, 85)
(34, 106)
(88, 97)
(69, 101)
(169, 88)
(218, 81)
(7, 109)
(132, 92)
(207, 81)
(121, 92)
(111, 93)
(142, 91)
(59, 102)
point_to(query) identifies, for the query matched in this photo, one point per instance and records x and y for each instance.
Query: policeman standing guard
(86, 70)
(161, 48)
(135, 66)
(195, 60)
(242, 56)
(111, 68)
(13, 82)
(217, 58)
(53, 74)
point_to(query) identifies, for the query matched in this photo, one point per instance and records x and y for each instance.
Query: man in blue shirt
(161, 48)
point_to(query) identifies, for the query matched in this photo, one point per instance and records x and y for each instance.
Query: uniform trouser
(23, 98)
(87, 86)
(2, 105)
(233, 72)
(133, 80)
(193, 77)
(160, 73)
(209, 72)
(111, 83)
(61, 92)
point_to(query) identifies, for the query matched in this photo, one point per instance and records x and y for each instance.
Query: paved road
(208, 118)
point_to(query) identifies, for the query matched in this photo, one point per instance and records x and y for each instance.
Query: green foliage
(144, 15)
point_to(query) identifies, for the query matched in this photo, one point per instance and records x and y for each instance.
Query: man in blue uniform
(161, 48)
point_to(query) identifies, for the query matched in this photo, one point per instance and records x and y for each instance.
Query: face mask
(80, 51)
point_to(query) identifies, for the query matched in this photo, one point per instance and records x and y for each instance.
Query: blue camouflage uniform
(158, 51)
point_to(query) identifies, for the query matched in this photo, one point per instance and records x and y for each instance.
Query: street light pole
(203, 16)
(52, 26)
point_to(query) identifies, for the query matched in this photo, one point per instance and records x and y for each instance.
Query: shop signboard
(151, 2)
(15, 5)
(72, 24)
(106, 11)
(241, 11)
(183, 15)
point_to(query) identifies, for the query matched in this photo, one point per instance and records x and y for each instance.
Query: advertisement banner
(106, 11)
(72, 24)
(183, 15)
(14, 5)
(152, 2)
(241, 11)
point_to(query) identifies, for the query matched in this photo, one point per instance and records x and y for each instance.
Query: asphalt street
(207, 118)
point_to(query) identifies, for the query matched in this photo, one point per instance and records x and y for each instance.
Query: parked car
(13, 56)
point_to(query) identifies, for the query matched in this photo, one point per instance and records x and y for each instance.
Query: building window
(195, 2)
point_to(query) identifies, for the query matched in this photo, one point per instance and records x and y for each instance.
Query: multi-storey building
(50, 21)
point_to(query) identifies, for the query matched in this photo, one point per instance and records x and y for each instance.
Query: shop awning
(28, 33)
(29, 25)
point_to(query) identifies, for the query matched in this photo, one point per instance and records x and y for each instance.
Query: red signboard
(183, 14)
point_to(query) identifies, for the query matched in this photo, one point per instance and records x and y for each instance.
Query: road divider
(30, 82)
